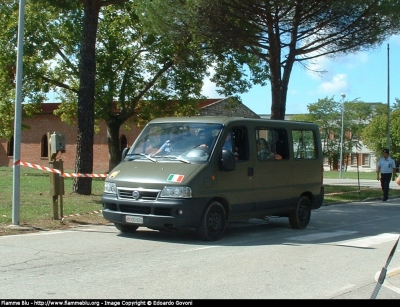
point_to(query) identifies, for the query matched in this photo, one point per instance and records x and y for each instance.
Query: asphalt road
(338, 256)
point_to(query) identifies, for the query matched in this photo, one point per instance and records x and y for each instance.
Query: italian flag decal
(175, 178)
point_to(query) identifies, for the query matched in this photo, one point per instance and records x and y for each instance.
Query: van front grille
(138, 194)
(138, 201)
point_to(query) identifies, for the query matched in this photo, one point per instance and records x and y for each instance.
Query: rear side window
(304, 146)
(272, 144)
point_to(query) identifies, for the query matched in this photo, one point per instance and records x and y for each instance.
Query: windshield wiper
(143, 155)
(178, 158)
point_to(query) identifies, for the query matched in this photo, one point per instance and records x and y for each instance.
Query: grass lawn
(350, 175)
(35, 202)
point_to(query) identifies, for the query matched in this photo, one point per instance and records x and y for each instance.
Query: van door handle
(250, 171)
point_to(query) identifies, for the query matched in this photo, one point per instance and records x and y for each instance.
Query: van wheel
(300, 217)
(213, 222)
(125, 228)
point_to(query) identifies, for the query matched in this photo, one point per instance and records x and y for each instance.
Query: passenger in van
(263, 151)
(205, 139)
(165, 149)
(228, 142)
(228, 145)
(178, 142)
(183, 142)
(168, 147)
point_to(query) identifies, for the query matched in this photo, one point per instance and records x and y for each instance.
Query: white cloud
(209, 88)
(333, 76)
(319, 67)
(336, 85)
(324, 68)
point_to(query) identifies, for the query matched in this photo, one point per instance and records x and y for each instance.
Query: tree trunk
(280, 70)
(279, 84)
(87, 71)
(114, 149)
(278, 104)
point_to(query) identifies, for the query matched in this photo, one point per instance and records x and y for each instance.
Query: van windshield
(176, 141)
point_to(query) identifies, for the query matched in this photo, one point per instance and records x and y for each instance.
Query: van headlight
(110, 187)
(176, 192)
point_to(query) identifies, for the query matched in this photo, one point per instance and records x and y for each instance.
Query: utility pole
(388, 102)
(341, 138)
(16, 199)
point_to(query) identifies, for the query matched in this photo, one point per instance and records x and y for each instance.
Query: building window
(10, 147)
(44, 147)
(354, 159)
(366, 159)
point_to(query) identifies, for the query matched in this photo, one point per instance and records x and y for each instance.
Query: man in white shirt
(386, 170)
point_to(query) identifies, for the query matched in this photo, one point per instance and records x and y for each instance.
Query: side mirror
(227, 161)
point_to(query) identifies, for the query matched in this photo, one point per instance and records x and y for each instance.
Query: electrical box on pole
(57, 144)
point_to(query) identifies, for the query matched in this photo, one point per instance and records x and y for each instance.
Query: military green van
(202, 172)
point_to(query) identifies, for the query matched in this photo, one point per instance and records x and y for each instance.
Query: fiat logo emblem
(135, 194)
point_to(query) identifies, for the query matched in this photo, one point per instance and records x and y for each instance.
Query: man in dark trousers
(386, 170)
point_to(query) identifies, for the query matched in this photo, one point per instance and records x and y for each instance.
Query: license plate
(134, 219)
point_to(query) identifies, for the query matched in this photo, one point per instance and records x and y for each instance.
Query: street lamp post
(341, 137)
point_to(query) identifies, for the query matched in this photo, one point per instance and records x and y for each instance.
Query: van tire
(213, 222)
(300, 217)
(126, 228)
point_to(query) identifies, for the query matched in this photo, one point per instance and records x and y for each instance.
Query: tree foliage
(327, 113)
(232, 70)
(126, 72)
(375, 134)
(282, 33)
(31, 94)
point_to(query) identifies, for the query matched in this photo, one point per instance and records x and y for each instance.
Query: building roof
(49, 107)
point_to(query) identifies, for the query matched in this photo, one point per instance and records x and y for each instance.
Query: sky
(367, 76)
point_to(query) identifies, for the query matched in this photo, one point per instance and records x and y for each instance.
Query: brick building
(34, 141)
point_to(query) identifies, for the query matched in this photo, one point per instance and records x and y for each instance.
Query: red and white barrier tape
(84, 175)
(43, 168)
(52, 170)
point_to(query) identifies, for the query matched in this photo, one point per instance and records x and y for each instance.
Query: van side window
(279, 144)
(263, 144)
(304, 146)
(272, 144)
(240, 143)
